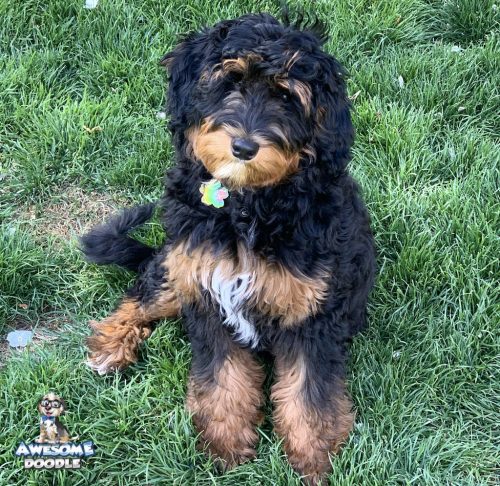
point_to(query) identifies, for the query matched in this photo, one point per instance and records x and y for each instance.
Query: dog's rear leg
(115, 341)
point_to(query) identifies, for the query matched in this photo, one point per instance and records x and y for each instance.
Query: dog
(269, 248)
(52, 431)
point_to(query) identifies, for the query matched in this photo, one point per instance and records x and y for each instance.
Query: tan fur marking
(166, 304)
(274, 290)
(213, 148)
(279, 293)
(116, 339)
(303, 91)
(240, 64)
(309, 152)
(309, 435)
(190, 271)
(293, 59)
(227, 411)
(320, 116)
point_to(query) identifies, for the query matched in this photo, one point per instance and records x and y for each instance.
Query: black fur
(110, 243)
(311, 222)
(189, 100)
(315, 220)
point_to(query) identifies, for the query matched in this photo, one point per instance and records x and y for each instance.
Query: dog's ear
(185, 64)
(333, 133)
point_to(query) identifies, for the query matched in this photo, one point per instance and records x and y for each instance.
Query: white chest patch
(232, 294)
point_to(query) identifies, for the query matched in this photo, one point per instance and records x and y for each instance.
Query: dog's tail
(109, 243)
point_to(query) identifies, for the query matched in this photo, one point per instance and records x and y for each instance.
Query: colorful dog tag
(213, 193)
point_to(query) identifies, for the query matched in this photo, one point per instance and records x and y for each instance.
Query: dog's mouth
(254, 163)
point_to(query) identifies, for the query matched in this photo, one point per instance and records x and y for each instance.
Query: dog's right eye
(236, 78)
(44, 403)
(282, 94)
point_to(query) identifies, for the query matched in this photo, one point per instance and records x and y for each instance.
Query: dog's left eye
(283, 95)
(236, 78)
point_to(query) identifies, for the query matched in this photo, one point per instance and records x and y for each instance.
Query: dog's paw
(228, 447)
(101, 358)
(315, 479)
(102, 365)
(113, 346)
(226, 456)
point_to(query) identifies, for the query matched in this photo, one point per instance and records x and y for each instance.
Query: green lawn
(79, 137)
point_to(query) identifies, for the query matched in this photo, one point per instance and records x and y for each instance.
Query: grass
(424, 376)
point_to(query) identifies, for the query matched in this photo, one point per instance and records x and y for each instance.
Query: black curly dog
(269, 249)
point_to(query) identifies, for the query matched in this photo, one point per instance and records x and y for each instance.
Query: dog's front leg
(224, 391)
(115, 341)
(313, 412)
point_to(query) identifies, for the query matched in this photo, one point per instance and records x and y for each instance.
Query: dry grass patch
(71, 213)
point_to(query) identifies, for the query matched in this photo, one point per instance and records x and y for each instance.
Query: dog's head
(255, 100)
(51, 405)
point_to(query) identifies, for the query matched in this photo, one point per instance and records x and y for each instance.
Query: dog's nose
(244, 148)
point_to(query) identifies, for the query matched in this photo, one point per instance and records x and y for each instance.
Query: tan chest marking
(256, 283)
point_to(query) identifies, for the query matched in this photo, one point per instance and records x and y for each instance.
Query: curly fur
(254, 76)
(110, 243)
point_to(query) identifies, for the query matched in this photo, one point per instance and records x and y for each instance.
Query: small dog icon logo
(53, 448)
(52, 431)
